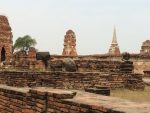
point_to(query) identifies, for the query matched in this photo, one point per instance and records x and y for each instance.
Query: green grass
(137, 96)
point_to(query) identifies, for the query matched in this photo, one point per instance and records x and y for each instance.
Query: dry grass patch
(137, 96)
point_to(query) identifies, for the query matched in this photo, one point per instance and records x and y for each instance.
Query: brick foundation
(48, 100)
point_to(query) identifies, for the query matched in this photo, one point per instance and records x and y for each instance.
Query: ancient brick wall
(141, 65)
(22, 60)
(64, 80)
(48, 100)
(88, 57)
(15, 100)
(88, 65)
(104, 62)
(145, 49)
(39, 102)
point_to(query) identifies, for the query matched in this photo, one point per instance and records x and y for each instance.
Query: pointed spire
(114, 41)
(114, 48)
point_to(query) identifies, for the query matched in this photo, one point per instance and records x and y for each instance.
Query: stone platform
(49, 100)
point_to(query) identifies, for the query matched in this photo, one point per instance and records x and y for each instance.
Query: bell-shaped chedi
(70, 44)
(114, 48)
(145, 49)
(5, 39)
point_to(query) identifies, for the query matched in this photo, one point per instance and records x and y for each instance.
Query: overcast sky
(93, 22)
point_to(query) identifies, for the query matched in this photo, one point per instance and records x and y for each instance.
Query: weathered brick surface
(88, 65)
(70, 44)
(36, 101)
(48, 100)
(6, 42)
(102, 62)
(145, 49)
(141, 66)
(65, 80)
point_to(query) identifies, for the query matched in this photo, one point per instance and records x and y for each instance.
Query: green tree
(24, 43)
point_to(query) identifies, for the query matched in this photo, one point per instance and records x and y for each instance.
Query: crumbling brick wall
(88, 65)
(64, 80)
(141, 66)
(49, 100)
(103, 62)
(15, 100)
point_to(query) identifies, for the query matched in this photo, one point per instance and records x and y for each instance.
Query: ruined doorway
(3, 54)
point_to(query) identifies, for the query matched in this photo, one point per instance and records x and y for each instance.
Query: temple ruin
(37, 82)
(114, 48)
(145, 49)
(6, 42)
(70, 44)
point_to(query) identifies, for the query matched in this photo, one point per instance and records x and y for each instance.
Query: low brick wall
(141, 65)
(65, 80)
(103, 63)
(48, 100)
(13, 100)
(89, 65)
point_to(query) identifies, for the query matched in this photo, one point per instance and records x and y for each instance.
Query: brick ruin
(62, 80)
(141, 63)
(24, 75)
(114, 48)
(27, 61)
(69, 44)
(49, 100)
(145, 49)
(145, 64)
(5, 39)
(20, 60)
